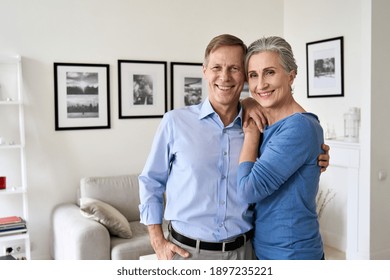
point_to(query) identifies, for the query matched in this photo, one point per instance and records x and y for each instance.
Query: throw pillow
(107, 215)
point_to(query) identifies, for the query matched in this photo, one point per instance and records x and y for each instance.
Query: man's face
(225, 75)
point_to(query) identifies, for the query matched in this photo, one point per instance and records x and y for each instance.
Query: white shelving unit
(13, 199)
(342, 220)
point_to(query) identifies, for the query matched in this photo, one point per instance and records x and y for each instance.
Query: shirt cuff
(151, 214)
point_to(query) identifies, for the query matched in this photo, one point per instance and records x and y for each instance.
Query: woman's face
(268, 81)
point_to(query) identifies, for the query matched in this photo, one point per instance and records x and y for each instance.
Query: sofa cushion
(121, 192)
(139, 246)
(107, 215)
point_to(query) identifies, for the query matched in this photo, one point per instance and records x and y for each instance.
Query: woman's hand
(253, 110)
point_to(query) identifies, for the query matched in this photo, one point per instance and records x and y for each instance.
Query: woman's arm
(250, 147)
(292, 146)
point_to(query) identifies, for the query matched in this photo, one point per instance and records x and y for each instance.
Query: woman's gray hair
(273, 44)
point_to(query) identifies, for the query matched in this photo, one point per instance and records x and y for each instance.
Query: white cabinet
(340, 220)
(13, 199)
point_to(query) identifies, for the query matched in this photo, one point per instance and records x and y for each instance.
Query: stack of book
(12, 225)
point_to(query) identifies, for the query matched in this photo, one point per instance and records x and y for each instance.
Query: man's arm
(165, 250)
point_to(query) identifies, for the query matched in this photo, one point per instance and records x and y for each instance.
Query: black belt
(214, 246)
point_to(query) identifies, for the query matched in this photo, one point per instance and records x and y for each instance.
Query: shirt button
(224, 153)
(223, 177)
(220, 225)
(222, 202)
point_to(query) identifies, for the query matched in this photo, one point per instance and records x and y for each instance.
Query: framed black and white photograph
(245, 91)
(82, 96)
(188, 87)
(325, 74)
(142, 89)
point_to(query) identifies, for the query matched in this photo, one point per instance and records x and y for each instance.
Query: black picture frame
(82, 96)
(142, 89)
(188, 87)
(325, 68)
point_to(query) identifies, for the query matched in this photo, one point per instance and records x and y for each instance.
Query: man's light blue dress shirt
(194, 159)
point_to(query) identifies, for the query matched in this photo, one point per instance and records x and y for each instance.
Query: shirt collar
(207, 110)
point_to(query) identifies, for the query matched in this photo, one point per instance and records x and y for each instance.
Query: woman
(283, 182)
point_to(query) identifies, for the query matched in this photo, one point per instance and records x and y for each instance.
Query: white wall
(99, 31)
(380, 150)
(313, 20)
(366, 58)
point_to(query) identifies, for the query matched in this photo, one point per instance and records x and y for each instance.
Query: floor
(333, 254)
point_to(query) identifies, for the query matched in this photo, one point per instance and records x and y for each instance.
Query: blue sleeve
(296, 143)
(153, 178)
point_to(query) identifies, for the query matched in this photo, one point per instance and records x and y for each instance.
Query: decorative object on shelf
(324, 62)
(82, 96)
(330, 132)
(188, 86)
(245, 91)
(142, 88)
(323, 201)
(7, 258)
(10, 220)
(3, 182)
(351, 124)
(12, 225)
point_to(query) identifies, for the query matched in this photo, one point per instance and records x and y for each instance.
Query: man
(194, 160)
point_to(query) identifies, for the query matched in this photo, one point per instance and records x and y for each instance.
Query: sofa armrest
(75, 237)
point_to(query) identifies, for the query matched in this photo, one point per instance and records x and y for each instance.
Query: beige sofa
(89, 230)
